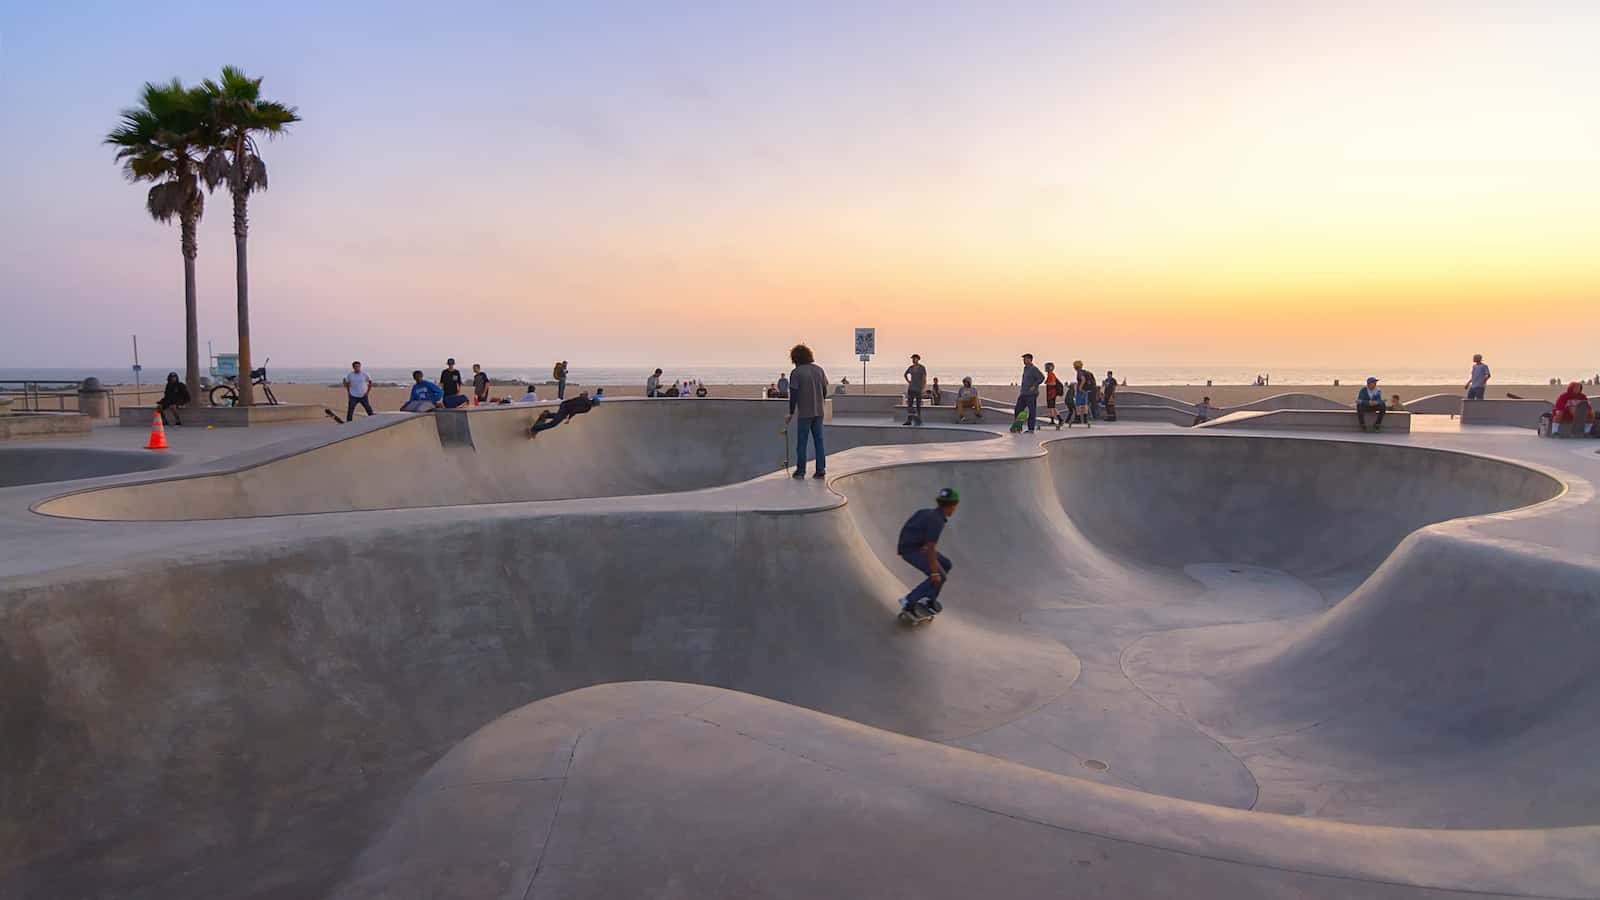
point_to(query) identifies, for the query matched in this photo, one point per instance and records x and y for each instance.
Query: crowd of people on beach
(1075, 398)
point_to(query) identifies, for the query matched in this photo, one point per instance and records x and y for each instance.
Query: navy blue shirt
(924, 527)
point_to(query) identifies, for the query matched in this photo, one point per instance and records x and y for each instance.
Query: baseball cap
(948, 495)
(1371, 379)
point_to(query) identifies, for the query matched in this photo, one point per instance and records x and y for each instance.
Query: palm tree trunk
(191, 315)
(241, 234)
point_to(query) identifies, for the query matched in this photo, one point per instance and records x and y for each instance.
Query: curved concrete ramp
(638, 789)
(484, 455)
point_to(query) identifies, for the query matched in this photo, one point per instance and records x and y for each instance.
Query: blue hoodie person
(425, 395)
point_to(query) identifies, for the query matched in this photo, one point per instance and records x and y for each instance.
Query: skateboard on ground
(1019, 422)
(914, 617)
(332, 415)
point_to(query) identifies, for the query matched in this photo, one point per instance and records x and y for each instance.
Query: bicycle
(227, 393)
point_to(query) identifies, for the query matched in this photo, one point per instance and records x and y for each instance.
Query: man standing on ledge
(450, 383)
(357, 384)
(1028, 399)
(919, 546)
(1479, 379)
(1370, 400)
(916, 381)
(808, 387)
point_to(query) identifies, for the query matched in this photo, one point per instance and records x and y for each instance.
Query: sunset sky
(1399, 183)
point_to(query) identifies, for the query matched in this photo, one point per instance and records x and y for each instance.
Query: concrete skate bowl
(242, 722)
(41, 465)
(621, 448)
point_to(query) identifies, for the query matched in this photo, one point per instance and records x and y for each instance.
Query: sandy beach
(1225, 395)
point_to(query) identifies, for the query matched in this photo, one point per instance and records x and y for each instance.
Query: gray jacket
(1031, 379)
(808, 387)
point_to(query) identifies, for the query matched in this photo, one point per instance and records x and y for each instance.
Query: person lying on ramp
(919, 546)
(568, 408)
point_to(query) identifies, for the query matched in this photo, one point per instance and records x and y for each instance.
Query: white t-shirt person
(358, 383)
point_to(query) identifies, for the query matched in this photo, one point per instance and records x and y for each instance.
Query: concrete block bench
(1519, 413)
(1396, 421)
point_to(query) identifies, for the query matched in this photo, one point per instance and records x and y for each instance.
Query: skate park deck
(1216, 664)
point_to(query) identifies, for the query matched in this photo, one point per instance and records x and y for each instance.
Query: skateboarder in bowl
(919, 546)
(568, 408)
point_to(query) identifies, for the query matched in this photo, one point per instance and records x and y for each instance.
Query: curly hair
(801, 355)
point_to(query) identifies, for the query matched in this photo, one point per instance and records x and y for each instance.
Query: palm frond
(174, 199)
(214, 170)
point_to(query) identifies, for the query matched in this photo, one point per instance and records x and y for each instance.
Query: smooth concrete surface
(228, 416)
(1173, 662)
(1395, 421)
(607, 792)
(1518, 413)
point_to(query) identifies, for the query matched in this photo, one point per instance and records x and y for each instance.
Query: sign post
(866, 345)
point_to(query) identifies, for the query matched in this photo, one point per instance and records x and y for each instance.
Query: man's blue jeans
(927, 590)
(1476, 393)
(1029, 402)
(810, 429)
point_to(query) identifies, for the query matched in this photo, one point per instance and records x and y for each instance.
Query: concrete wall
(43, 425)
(1520, 413)
(38, 465)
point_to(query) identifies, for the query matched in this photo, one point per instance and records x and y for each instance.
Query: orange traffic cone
(158, 434)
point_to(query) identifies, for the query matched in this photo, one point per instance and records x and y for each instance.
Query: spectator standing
(1478, 379)
(652, 385)
(480, 384)
(559, 373)
(916, 381)
(937, 395)
(358, 385)
(1108, 390)
(808, 388)
(1052, 391)
(783, 385)
(1028, 395)
(450, 383)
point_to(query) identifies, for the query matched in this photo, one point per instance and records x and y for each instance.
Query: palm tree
(161, 141)
(236, 113)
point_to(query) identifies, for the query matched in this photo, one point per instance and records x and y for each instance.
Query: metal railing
(37, 396)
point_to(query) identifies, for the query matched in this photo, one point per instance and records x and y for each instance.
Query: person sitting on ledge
(175, 396)
(1573, 408)
(530, 396)
(568, 408)
(1203, 411)
(1370, 400)
(967, 398)
(425, 395)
